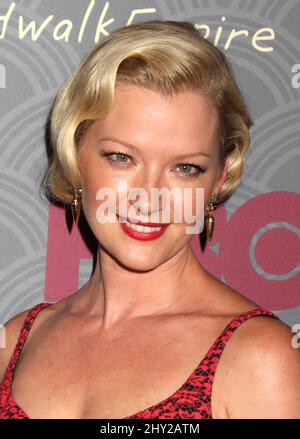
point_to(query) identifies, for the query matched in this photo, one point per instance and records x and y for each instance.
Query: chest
(73, 374)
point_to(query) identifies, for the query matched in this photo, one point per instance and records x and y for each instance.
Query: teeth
(144, 229)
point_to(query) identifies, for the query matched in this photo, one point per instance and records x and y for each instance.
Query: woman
(154, 106)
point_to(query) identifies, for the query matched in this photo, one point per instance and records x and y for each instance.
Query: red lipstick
(143, 236)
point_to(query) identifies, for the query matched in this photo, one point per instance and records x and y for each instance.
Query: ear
(221, 177)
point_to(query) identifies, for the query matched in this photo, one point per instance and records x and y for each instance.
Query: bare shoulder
(258, 375)
(263, 370)
(14, 325)
(12, 331)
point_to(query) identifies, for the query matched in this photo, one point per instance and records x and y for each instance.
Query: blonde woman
(152, 334)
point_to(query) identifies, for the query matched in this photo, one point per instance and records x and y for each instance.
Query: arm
(264, 379)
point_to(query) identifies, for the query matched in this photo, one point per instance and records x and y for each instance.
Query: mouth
(143, 231)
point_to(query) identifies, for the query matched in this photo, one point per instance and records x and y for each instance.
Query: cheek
(189, 203)
(103, 196)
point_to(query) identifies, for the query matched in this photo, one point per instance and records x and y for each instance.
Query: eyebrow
(129, 145)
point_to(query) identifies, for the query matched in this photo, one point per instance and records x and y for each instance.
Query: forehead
(140, 115)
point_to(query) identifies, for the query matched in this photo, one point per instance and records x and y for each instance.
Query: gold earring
(75, 206)
(209, 218)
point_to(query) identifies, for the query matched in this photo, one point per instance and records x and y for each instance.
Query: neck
(115, 293)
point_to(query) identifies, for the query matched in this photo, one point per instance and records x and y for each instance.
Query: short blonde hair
(166, 56)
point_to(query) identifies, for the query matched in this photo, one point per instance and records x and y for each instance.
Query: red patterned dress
(191, 401)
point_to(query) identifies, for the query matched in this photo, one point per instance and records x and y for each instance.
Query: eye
(188, 167)
(121, 157)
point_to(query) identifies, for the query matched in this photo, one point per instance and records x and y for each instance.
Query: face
(148, 141)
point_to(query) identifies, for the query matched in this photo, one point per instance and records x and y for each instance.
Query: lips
(142, 235)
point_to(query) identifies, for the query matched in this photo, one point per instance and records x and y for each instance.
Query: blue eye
(199, 169)
(117, 154)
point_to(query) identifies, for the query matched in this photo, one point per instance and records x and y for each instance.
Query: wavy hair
(165, 56)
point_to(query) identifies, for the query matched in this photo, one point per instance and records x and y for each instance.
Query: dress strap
(213, 355)
(8, 375)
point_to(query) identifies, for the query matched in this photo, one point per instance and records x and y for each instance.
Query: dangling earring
(209, 218)
(75, 206)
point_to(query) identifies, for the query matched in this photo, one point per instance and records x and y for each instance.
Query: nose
(150, 200)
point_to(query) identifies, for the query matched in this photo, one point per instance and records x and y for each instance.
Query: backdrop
(256, 245)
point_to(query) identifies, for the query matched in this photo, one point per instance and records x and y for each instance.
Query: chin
(140, 263)
(138, 260)
(120, 254)
(137, 266)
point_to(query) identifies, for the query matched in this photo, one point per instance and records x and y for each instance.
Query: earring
(209, 218)
(75, 206)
